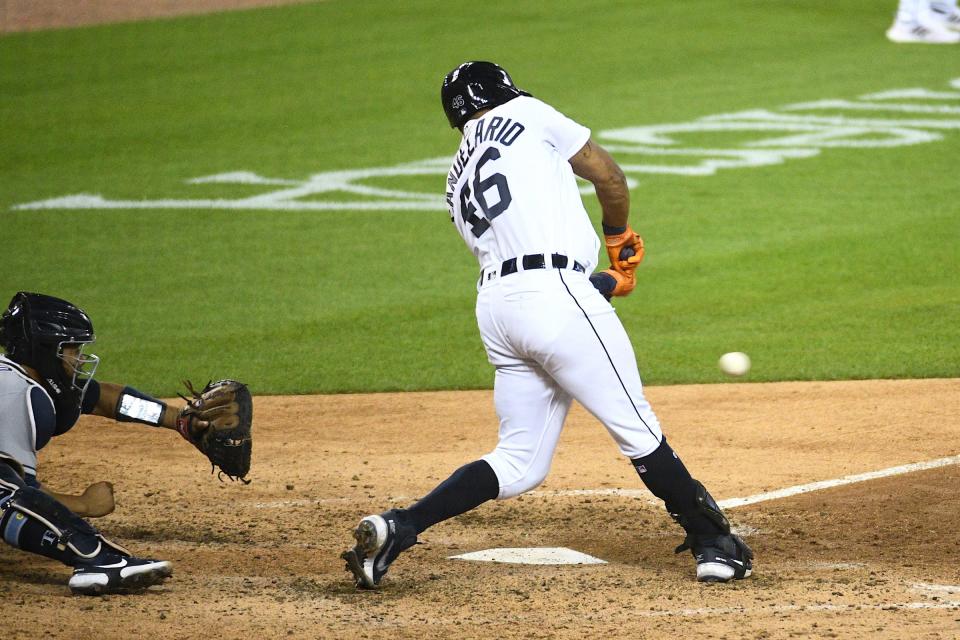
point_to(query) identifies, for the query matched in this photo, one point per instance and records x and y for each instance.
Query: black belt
(534, 261)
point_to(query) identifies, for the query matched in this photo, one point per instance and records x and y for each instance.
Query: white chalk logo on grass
(803, 130)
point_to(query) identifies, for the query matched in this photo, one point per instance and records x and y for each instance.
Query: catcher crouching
(46, 383)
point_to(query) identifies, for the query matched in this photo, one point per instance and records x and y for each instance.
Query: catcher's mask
(474, 86)
(37, 331)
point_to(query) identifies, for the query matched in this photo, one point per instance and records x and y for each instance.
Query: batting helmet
(474, 86)
(33, 331)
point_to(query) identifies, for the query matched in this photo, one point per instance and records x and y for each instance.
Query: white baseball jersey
(511, 190)
(550, 334)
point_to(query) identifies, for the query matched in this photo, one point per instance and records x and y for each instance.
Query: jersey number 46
(468, 210)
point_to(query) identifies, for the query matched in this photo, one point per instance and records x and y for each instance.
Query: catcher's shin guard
(33, 521)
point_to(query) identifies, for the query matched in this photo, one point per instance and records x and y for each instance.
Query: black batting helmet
(474, 86)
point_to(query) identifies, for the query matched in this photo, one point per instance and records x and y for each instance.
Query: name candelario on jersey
(503, 132)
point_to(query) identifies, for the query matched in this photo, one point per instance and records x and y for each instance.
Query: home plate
(531, 555)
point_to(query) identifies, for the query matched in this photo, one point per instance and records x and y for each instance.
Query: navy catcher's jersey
(511, 190)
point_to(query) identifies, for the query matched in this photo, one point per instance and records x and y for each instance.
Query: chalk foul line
(770, 495)
(839, 482)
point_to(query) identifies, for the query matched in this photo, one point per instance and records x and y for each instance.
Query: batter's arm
(593, 163)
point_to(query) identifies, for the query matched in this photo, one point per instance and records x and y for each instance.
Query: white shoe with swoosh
(380, 539)
(122, 573)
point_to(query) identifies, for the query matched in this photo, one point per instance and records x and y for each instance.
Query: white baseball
(735, 363)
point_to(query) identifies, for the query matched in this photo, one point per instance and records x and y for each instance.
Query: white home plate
(533, 555)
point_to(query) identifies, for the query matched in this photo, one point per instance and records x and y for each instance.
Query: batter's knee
(515, 475)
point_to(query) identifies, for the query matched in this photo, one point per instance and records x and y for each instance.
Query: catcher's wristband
(136, 406)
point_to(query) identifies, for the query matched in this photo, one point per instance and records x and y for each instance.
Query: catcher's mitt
(218, 421)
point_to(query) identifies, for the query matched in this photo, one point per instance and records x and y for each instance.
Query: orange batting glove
(625, 249)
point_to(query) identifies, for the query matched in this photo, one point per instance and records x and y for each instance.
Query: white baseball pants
(553, 338)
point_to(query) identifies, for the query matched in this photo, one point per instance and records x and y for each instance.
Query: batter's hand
(625, 251)
(612, 283)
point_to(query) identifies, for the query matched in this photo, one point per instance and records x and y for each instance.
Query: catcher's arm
(216, 420)
(126, 404)
(624, 246)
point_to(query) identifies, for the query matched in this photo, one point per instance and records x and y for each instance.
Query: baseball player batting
(547, 325)
(46, 383)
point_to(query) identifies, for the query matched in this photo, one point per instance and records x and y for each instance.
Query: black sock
(468, 487)
(665, 476)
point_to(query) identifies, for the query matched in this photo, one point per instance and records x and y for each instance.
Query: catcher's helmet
(33, 331)
(474, 86)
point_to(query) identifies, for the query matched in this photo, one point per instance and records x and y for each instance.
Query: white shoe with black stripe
(119, 574)
(947, 15)
(915, 32)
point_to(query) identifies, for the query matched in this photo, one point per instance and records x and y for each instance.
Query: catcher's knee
(11, 477)
(33, 521)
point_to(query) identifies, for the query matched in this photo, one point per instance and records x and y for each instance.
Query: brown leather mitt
(218, 421)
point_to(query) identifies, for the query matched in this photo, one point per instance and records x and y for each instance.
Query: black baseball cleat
(118, 574)
(380, 539)
(720, 558)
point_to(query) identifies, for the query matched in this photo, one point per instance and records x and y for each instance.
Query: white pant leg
(593, 360)
(532, 409)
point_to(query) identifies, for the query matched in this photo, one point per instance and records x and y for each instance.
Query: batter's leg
(532, 408)
(594, 361)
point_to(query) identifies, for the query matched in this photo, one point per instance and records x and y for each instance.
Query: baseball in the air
(735, 363)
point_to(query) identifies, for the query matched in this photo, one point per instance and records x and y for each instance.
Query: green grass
(840, 266)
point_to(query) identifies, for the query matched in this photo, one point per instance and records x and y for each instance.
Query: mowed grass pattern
(843, 265)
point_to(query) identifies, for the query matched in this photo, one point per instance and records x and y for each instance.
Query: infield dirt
(874, 559)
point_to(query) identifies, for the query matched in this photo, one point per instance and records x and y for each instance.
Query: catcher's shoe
(380, 539)
(720, 558)
(118, 574)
